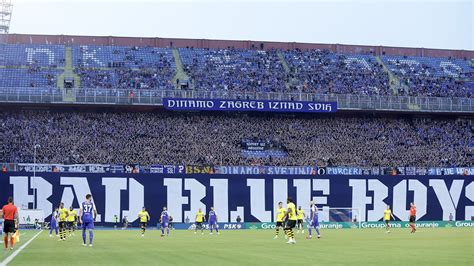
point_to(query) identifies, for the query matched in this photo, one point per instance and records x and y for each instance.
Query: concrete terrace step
(180, 73)
(286, 68)
(68, 74)
(394, 81)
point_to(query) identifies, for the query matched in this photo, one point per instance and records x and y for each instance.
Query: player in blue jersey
(213, 220)
(53, 225)
(314, 220)
(87, 215)
(164, 221)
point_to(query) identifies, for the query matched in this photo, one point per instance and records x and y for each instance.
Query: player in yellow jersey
(291, 218)
(144, 218)
(280, 224)
(71, 221)
(300, 214)
(200, 219)
(63, 213)
(386, 218)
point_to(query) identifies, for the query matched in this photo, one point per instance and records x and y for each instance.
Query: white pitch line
(12, 256)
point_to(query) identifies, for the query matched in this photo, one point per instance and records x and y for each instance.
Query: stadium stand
(124, 67)
(40, 55)
(323, 72)
(28, 77)
(216, 139)
(237, 70)
(234, 69)
(438, 77)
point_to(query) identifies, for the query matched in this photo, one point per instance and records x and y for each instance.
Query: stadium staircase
(180, 73)
(292, 81)
(283, 62)
(68, 73)
(395, 83)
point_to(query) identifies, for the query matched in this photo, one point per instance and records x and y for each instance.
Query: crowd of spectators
(323, 72)
(127, 78)
(424, 80)
(127, 68)
(437, 87)
(234, 70)
(215, 139)
(242, 70)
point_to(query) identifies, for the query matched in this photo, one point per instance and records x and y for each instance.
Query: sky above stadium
(446, 24)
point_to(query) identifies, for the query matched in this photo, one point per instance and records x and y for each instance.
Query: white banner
(29, 216)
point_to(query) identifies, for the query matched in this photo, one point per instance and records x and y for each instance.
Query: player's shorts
(386, 221)
(199, 225)
(290, 224)
(300, 221)
(9, 226)
(87, 225)
(412, 218)
(315, 223)
(62, 224)
(164, 225)
(53, 224)
(70, 224)
(212, 222)
(280, 224)
(143, 224)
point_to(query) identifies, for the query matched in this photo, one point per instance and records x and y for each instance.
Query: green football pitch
(448, 246)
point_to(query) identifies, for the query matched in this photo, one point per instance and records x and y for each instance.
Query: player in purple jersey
(87, 216)
(54, 223)
(213, 220)
(314, 220)
(164, 220)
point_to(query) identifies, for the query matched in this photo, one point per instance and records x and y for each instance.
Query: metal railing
(155, 97)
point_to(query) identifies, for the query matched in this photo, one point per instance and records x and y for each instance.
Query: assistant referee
(10, 216)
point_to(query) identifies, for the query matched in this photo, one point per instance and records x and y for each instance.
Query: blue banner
(72, 168)
(343, 171)
(238, 170)
(451, 171)
(167, 169)
(179, 104)
(269, 170)
(251, 198)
